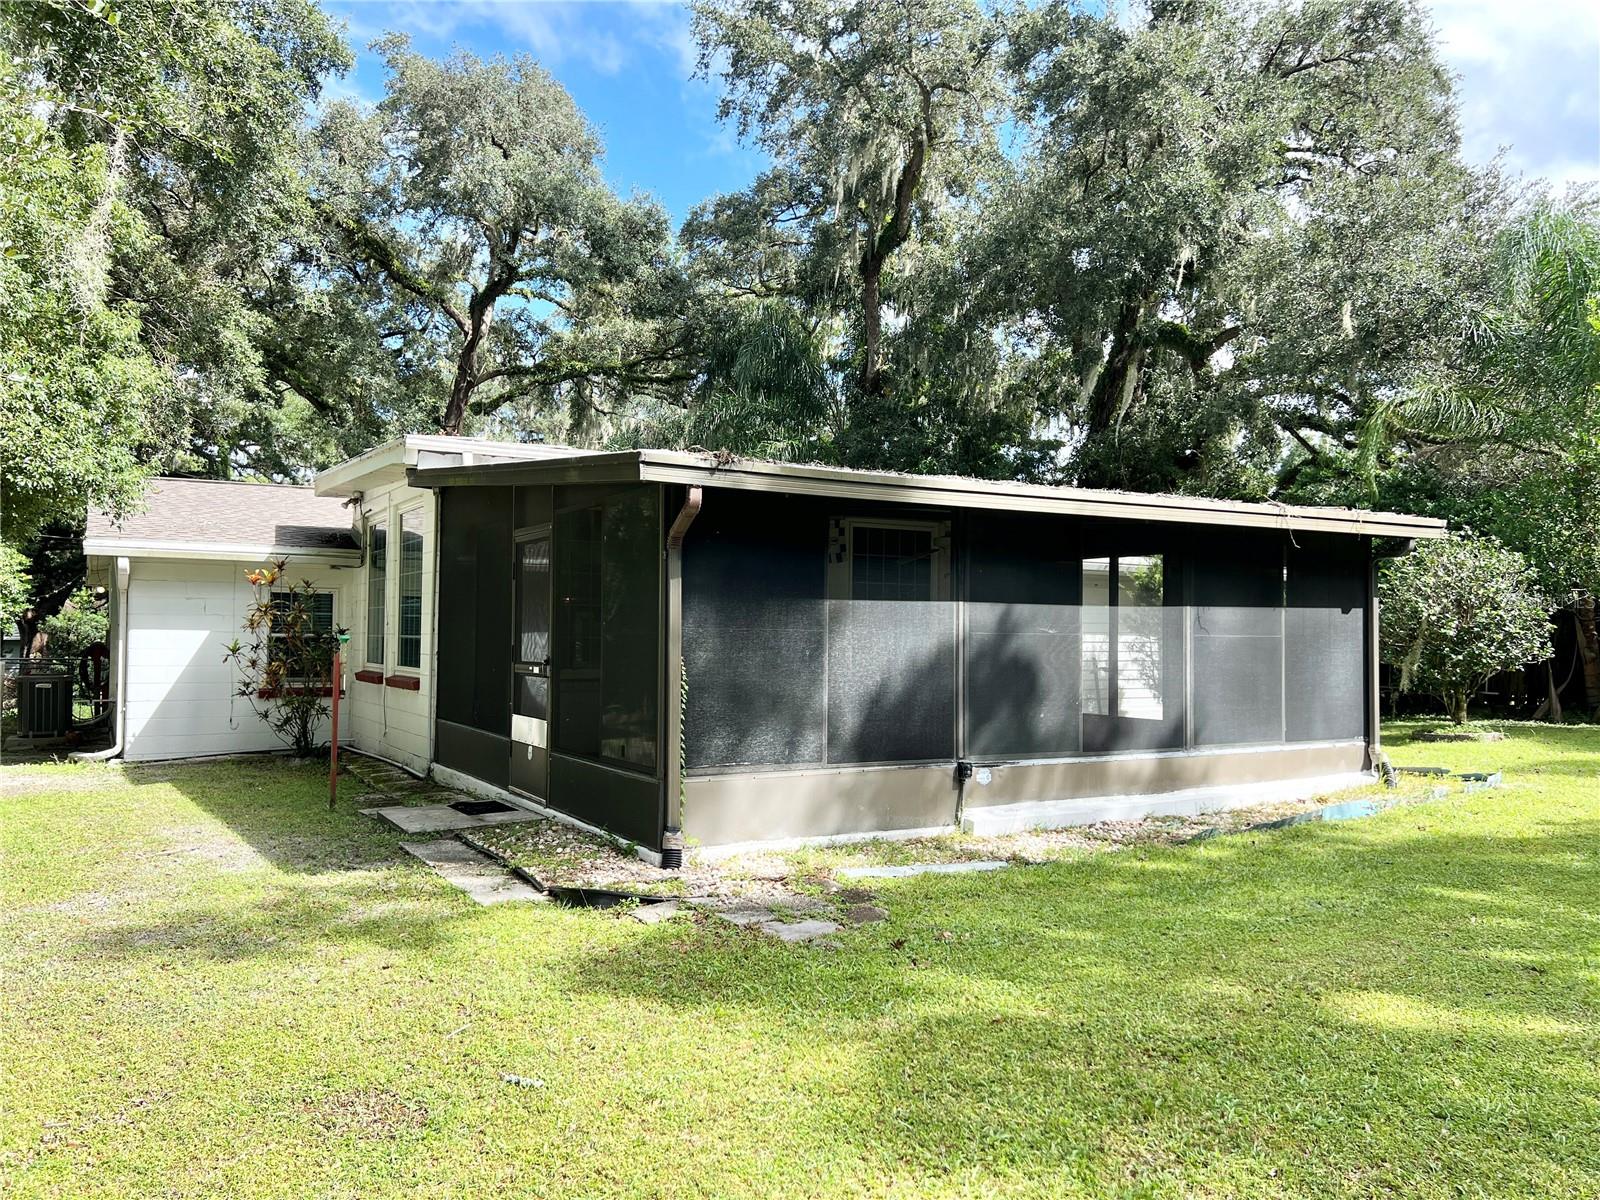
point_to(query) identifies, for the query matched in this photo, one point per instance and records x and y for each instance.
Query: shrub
(1456, 612)
(81, 623)
(285, 659)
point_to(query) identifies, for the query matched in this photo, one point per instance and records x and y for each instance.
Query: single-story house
(666, 644)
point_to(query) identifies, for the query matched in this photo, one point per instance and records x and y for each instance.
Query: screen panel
(630, 627)
(1236, 634)
(755, 636)
(891, 680)
(475, 611)
(1325, 631)
(1023, 638)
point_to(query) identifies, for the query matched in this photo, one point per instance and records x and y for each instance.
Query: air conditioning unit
(44, 704)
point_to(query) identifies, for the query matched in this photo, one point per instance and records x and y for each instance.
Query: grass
(212, 986)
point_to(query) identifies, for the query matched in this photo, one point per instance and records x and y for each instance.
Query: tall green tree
(147, 155)
(878, 118)
(1253, 213)
(471, 236)
(1504, 438)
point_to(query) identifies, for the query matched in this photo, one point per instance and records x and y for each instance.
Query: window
(377, 583)
(409, 653)
(302, 634)
(891, 563)
(888, 560)
(1123, 613)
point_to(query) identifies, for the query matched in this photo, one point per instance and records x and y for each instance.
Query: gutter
(119, 672)
(672, 839)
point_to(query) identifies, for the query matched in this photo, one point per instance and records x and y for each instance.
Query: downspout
(672, 841)
(119, 672)
(1381, 549)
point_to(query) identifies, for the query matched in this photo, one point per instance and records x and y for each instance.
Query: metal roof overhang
(112, 547)
(946, 491)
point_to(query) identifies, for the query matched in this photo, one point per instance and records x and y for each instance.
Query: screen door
(530, 702)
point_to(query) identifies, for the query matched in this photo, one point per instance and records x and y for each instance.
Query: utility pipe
(672, 841)
(119, 672)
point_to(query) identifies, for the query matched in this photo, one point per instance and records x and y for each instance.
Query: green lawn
(211, 986)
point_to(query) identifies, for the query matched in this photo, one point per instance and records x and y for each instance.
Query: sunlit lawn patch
(212, 986)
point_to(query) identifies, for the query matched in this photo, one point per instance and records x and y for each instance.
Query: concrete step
(478, 875)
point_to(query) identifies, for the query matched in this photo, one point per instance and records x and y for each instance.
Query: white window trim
(391, 642)
(373, 521)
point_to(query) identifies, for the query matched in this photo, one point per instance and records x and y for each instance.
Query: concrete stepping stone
(478, 875)
(654, 914)
(955, 868)
(441, 818)
(798, 931)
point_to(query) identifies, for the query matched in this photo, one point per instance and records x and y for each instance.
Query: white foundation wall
(182, 698)
(392, 722)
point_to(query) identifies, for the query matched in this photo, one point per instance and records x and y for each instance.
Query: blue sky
(1529, 80)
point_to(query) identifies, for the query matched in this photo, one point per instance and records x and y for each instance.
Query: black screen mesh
(891, 677)
(754, 636)
(1237, 639)
(607, 627)
(1325, 630)
(1023, 641)
(474, 660)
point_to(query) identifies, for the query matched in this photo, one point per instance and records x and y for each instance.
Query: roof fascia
(217, 551)
(618, 467)
(677, 467)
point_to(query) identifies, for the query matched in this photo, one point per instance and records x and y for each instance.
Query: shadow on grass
(280, 809)
(1357, 1006)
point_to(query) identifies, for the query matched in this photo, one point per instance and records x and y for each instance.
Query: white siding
(182, 697)
(393, 723)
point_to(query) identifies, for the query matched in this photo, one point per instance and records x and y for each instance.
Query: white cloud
(553, 31)
(1529, 82)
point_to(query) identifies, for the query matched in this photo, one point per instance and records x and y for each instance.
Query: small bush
(1456, 612)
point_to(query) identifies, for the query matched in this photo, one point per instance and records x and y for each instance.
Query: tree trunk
(480, 314)
(1554, 697)
(871, 326)
(1588, 649)
(1118, 380)
(1458, 706)
(455, 411)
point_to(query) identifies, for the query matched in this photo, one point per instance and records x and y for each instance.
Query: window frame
(1114, 636)
(300, 681)
(377, 565)
(842, 554)
(419, 512)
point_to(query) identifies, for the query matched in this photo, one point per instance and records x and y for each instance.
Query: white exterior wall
(182, 697)
(390, 722)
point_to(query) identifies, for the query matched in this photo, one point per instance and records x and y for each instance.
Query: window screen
(888, 563)
(607, 618)
(377, 585)
(533, 601)
(1140, 670)
(1096, 683)
(410, 648)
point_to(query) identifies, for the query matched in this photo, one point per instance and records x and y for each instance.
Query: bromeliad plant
(285, 661)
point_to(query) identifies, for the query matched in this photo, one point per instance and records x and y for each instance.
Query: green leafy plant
(1456, 612)
(285, 660)
(81, 623)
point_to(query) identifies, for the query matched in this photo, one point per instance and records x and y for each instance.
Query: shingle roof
(221, 514)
